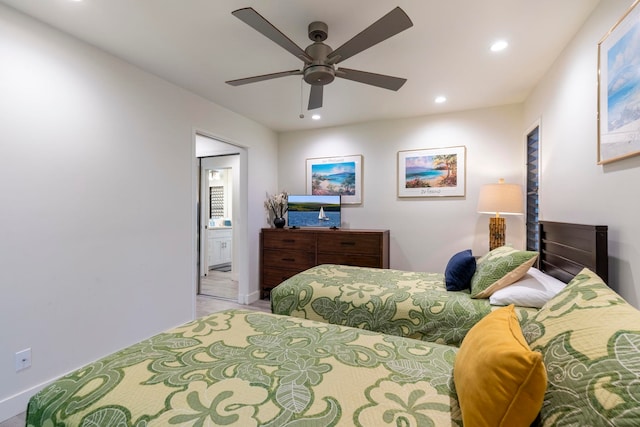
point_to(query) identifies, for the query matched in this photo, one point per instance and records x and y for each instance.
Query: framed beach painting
(336, 176)
(619, 89)
(434, 172)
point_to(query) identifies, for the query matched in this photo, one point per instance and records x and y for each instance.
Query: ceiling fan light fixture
(316, 117)
(319, 74)
(440, 99)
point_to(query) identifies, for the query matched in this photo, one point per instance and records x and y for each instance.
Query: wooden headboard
(565, 249)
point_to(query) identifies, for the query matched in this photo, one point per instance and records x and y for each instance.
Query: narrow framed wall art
(619, 89)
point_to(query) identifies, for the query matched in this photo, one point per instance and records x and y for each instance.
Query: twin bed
(247, 368)
(394, 302)
(417, 304)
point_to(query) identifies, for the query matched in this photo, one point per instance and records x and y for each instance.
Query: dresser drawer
(272, 277)
(356, 260)
(292, 260)
(366, 244)
(295, 241)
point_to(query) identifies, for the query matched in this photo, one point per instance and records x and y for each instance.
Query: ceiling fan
(320, 60)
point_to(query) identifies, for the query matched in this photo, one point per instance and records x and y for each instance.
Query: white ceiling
(198, 45)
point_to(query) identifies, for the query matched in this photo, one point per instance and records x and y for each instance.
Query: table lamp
(500, 199)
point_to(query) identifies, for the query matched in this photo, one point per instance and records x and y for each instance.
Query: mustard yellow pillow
(498, 379)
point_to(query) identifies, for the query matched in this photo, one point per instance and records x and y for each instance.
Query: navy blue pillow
(459, 271)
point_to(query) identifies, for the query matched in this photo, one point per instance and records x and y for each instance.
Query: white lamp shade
(505, 199)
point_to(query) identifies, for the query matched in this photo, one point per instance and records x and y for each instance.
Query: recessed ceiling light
(440, 99)
(316, 117)
(499, 45)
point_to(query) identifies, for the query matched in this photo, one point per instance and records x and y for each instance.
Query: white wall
(425, 232)
(97, 219)
(573, 187)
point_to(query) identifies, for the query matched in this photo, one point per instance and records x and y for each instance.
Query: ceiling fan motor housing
(319, 72)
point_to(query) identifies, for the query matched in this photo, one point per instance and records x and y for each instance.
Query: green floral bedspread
(590, 340)
(247, 369)
(404, 303)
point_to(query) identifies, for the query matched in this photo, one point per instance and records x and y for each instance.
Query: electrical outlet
(23, 359)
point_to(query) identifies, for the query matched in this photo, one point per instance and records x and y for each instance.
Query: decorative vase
(279, 222)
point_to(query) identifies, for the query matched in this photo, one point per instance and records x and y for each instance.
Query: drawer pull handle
(348, 243)
(288, 240)
(288, 259)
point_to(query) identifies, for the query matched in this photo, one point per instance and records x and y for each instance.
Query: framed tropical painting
(434, 172)
(619, 89)
(336, 176)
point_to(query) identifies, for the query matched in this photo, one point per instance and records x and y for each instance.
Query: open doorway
(217, 277)
(219, 218)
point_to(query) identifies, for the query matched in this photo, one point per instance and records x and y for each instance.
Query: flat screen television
(314, 211)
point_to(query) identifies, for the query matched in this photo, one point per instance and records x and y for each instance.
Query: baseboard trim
(249, 298)
(16, 404)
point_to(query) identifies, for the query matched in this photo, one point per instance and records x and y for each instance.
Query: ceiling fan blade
(389, 25)
(315, 97)
(373, 79)
(255, 79)
(260, 24)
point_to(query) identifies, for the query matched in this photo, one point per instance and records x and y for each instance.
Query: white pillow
(533, 290)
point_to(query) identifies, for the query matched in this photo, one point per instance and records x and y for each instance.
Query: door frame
(240, 208)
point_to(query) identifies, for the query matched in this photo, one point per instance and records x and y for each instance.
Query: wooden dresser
(285, 252)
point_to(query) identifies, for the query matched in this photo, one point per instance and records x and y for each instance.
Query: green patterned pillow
(500, 268)
(589, 337)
